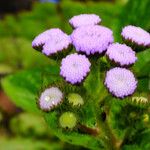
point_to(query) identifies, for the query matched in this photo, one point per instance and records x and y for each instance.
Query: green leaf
(24, 87)
(29, 125)
(141, 67)
(94, 83)
(143, 85)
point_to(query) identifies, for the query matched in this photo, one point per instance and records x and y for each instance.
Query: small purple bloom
(74, 68)
(136, 35)
(84, 19)
(40, 40)
(52, 41)
(120, 82)
(92, 39)
(121, 54)
(50, 98)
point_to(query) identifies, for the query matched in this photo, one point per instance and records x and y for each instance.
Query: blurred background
(20, 22)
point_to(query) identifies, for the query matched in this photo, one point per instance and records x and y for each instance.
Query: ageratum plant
(94, 92)
(95, 72)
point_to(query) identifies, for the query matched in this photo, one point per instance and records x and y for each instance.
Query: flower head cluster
(92, 39)
(74, 68)
(50, 98)
(84, 19)
(136, 35)
(121, 54)
(120, 82)
(89, 38)
(52, 41)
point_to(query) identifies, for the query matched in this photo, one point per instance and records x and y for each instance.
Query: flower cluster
(88, 38)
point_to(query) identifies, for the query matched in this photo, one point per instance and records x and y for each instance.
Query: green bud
(68, 120)
(140, 100)
(75, 99)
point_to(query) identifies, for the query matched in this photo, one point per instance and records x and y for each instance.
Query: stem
(110, 139)
(105, 131)
(87, 130)
(127, 133)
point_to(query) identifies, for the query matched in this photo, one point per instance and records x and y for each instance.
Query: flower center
(75, 65)
(121, 53)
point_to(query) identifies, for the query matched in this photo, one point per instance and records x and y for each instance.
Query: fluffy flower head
(92, 39)
(120, 82)
(50, 98)
(40, 40)
(84, 19)
(136, 35)
(121, 54)
(52, 41)
(74, 68)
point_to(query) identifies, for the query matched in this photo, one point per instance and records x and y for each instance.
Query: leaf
(143, 85)
(94, 83)
(24, 87)
(29, 125)
(141, 67)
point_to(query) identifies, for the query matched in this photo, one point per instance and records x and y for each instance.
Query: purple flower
(74, 68)
(84, 19)
(121, 54)
(136, 35)
(120, 82)
(50, 98)
(52, 41)
(92, 39)
(40, 40)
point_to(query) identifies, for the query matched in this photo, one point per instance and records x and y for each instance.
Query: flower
(120, 82)
(52, 41)
(74, 68)
(136, 35)
(50, 98)
(92, 39)
(40, 40)
(121, 54)
(84, 19)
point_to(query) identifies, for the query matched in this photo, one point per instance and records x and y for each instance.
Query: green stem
(105, 131)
